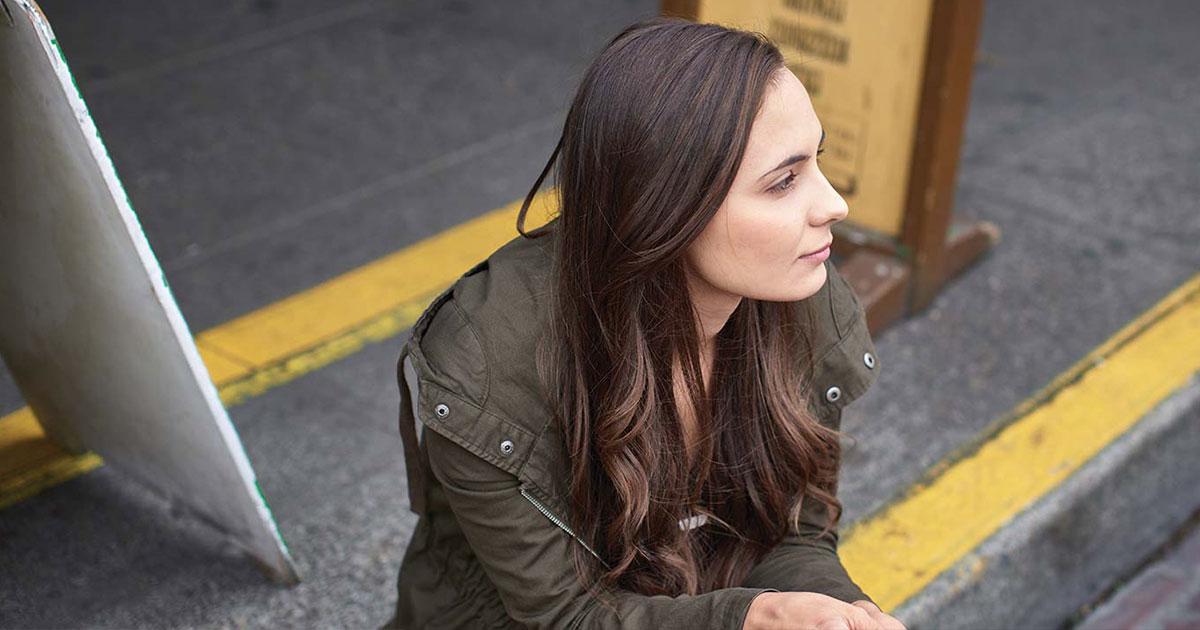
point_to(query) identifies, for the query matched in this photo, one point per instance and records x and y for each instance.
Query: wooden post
(937, 254)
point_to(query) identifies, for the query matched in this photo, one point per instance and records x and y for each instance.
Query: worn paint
(30, 462)
(894, 554)
(184, 386)
(306, 331)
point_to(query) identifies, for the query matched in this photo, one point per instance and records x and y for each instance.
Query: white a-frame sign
(88, 326)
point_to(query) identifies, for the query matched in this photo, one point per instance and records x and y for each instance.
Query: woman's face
(779, 208)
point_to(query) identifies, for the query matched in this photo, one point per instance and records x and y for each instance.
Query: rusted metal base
(886, 283)
(965, 243)
(850, 238)
(881, 283)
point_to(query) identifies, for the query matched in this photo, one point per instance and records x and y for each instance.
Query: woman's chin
(811, 282)
(796, 289)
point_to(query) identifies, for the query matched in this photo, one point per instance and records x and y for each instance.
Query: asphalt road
(268, 146)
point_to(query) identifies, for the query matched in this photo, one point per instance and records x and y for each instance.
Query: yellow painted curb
(894, 554)
(29, 461)
(301, 333)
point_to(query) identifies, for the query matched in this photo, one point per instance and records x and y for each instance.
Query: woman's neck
(707, 361)
(714, 307)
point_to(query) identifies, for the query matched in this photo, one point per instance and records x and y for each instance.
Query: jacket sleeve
(804, 562)
(528, 557)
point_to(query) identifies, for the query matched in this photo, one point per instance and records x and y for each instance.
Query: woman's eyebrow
(799, 157)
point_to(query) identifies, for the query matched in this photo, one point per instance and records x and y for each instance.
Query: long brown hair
(649, 150)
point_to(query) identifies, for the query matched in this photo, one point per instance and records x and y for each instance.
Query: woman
(630, 415)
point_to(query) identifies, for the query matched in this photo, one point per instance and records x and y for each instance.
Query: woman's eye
(785, 184)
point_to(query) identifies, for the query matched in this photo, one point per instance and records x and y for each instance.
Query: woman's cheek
(766, 234)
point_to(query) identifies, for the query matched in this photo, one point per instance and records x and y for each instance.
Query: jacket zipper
(557, 521)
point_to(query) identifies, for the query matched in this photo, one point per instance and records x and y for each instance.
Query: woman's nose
(831, 207)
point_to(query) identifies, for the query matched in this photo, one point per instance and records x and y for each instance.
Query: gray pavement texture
(270, 146)
(1074, 543)
(1163, 596)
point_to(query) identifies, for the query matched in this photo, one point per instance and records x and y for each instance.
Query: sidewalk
(1163, 596)
(269, 147)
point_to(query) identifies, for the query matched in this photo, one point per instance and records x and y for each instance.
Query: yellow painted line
(301, 333)
(894, 554)
(30, 462)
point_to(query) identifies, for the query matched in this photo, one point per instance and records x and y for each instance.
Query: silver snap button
(441, 410)
(833, 393)
(869, 359)
(506, 447)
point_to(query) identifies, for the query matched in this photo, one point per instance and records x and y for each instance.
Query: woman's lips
(820, 254)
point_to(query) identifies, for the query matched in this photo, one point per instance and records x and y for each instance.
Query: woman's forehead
(786, 124)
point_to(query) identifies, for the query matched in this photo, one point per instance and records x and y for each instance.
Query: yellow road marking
(30, 462)
(893, 555)
(301, 333)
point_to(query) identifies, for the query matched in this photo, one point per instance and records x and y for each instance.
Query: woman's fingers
(885, 621)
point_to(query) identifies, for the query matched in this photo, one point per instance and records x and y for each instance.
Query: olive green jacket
(492, 546)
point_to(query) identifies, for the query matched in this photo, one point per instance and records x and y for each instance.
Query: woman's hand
(886, 621)
(779, 611)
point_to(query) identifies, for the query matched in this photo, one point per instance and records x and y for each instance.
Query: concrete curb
(1073, 543)
(1164, 594)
